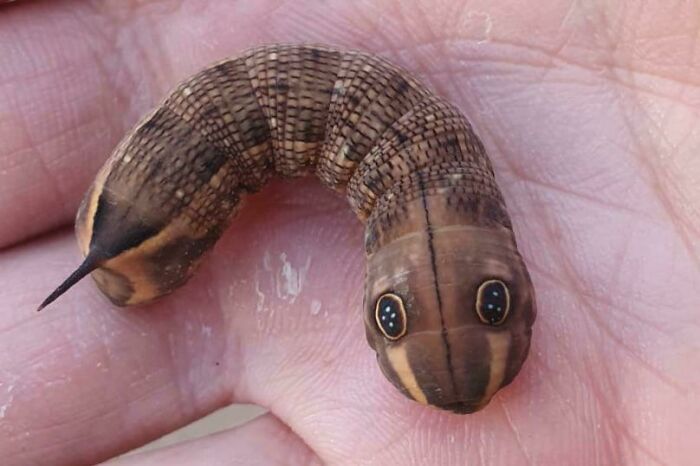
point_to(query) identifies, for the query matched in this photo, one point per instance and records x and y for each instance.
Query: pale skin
(589, 111)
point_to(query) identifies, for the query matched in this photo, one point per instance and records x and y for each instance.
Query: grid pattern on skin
(294, 86)
(150, 168)
(468, 193)
(179, 178)
(361, 122)
(432, 133)
(221, 104)
(369, 95)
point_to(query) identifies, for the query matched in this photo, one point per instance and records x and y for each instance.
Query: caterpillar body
(449, 304)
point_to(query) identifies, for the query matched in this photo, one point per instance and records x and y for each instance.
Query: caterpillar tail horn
(91, 262)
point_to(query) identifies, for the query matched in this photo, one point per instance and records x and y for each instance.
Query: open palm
(589, 114)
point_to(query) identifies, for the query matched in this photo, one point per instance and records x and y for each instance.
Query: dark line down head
(450, 314)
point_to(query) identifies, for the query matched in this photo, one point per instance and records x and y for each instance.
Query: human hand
(587, 113)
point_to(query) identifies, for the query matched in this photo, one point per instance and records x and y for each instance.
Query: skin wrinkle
(635, 85)
(679, 225)
(519, 57)
(104, 410)
(288, 421)
(39, 157)
(645, 162)
(689, 227)
(151, 59)
(602, 324)
(185, 391)
(606, 63)
(582, 377)
(393, 45)
(286, 431)
(187, 395)
(566, 402)
(21, 50)
(548, 185)
(516, 435)
(400, 434)
(179, 377)
(664, 197)
(656, 184)
(433, 36)
(617, 427)
(122, 11)
(569, 274)
(637, 38)
(107, 66)
(620, 430)
(608, 303)
(610, 426)
(261, 432)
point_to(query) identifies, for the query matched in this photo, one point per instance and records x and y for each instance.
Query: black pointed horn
(90, 263)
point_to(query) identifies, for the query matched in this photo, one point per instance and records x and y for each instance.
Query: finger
(263, 441)
(85, 381)
(59, 113)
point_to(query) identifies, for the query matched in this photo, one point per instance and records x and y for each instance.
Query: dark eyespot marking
(391, 316)
(492, 302)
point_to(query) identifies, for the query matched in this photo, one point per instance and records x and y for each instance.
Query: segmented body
(412, 169)
(359, 123)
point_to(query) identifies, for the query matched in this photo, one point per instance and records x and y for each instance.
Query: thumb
(262, 441)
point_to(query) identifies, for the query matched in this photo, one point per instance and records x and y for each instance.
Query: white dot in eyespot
(391, 324)
(383, 317)
(393, 315)
(387, 309)
(490, 306)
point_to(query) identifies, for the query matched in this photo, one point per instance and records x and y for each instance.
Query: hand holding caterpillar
(449, 304)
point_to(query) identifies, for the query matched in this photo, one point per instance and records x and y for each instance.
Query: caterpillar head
(449, 313)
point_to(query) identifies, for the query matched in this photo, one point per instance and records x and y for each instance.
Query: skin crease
(589, 112)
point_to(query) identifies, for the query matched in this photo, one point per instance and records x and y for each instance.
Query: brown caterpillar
(449, 304)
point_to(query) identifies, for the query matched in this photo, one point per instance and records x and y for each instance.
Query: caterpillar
(449, 304)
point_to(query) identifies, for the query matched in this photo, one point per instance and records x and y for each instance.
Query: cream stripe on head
(499, 344)
(399, 362)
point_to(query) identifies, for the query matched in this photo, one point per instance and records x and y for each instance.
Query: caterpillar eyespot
(410, 165)
(390, 316)
(493, 302)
